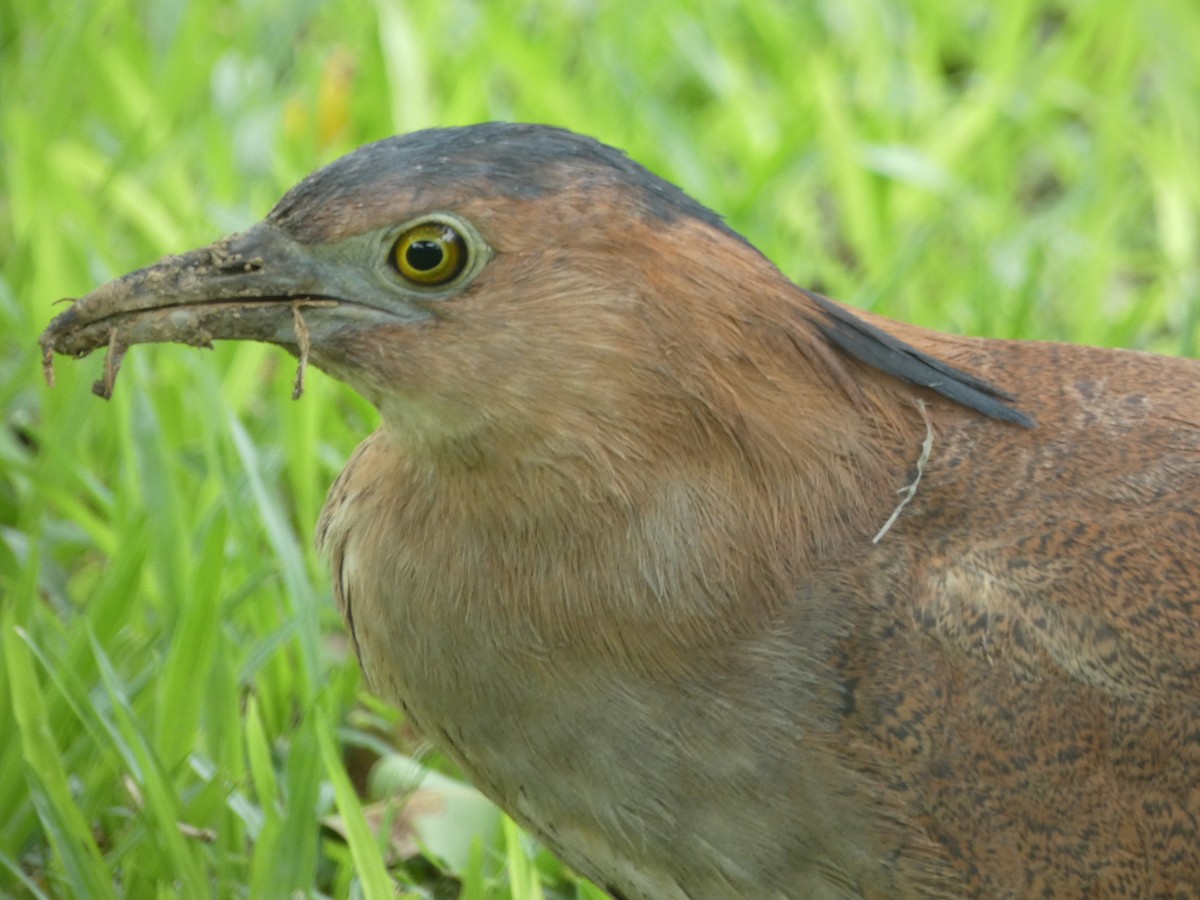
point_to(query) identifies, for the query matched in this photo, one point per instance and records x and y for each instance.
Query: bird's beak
(259, 285)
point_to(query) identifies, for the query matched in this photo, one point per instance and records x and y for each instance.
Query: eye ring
(430, 254)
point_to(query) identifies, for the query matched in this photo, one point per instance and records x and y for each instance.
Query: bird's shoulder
(1074, 546)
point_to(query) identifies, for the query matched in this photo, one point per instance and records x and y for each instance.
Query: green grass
(179, 715)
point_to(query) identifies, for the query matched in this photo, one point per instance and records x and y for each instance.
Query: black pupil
(424, 256)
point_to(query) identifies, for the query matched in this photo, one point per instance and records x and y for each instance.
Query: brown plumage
(718, 588)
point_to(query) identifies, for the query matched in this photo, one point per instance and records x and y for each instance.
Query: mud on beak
(259, 285)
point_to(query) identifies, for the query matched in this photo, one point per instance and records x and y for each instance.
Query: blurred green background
(179, 715)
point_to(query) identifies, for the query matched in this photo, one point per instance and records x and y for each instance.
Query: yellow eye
(430, 254)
